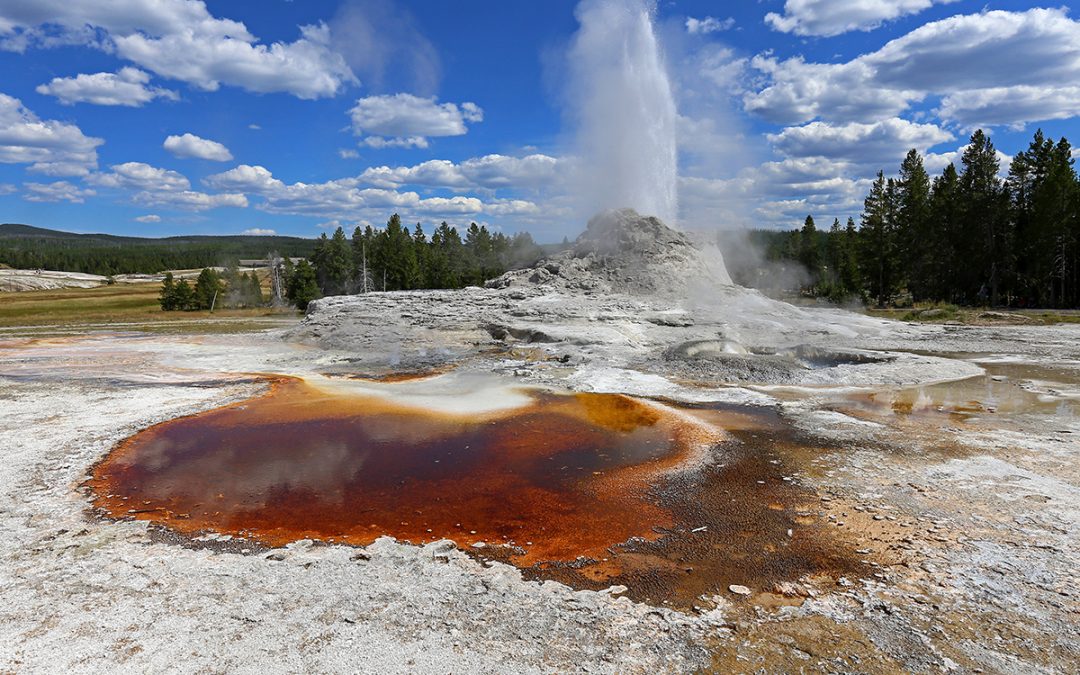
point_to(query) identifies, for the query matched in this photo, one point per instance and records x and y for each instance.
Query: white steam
(621, 102)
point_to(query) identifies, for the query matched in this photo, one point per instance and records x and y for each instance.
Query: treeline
(967, 237)
(393, 259)
(232, 289)
(24, 247)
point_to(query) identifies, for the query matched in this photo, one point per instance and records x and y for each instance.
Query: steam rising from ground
(621, 101)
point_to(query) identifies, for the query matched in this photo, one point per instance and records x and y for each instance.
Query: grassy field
(977, 316)
(127, 307)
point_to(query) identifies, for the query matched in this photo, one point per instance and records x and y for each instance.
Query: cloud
(380, 142)
(878, 142)
(708, 25)
(259, 232)
(348, 153)
(59, 191)
(140, 176)
(531, 172)
(189, 200)
(254, 127)
(380, 41)
(798, 92)
(8, 189)
(192, 146)
(245, 178)
(149, 218)
(126, 87)
(404, 120)
(334, 224)
(966, 59)
(154, 186)
(826, 18)
(50, 147)
(180, 39)
(936, 162)
(775, 193)
(1012, 106)
(348, 199)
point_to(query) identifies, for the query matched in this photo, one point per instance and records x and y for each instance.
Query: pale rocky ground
(970, 521)
(14, 281)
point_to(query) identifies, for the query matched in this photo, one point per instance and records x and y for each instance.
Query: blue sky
(179, 116)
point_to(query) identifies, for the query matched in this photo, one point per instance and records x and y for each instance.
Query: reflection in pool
(558, 475)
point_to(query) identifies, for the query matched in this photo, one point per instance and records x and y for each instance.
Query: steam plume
(621, 102)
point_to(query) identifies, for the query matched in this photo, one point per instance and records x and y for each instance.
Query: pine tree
(943, 278)
(850, 280)
(914, 229)
(320, 259)
(334, 263)
(303, 285)
(834, 255)
(809, 255)
(167, 297)
(184, 296)
(207, 289)
(422, 252)
(877, 254)
(1054, 216)
(253, 297)
(986, 245)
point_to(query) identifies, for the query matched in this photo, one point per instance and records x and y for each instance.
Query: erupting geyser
(622, 103)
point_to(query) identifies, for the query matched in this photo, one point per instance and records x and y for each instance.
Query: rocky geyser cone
(621, 251)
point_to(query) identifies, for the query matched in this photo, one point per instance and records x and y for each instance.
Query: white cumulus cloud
(189, 200)
(182, 40)
(155, 186)
(149, 218)
(48, 146)
(708, 25)
(347, 199)
(245, 178)
(826, 18)
(490, 171)
(1012, 106)
(878, 142)
(405, 120)
(1012, 57)
(140, 176)
(128, 87)
(259, 232)
(192, 146)
(58, 191)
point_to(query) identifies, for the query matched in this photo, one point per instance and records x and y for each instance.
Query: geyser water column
(622, 104)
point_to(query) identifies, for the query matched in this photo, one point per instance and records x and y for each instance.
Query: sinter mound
(622, 252)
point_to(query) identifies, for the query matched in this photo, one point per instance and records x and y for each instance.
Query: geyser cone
(622, 251)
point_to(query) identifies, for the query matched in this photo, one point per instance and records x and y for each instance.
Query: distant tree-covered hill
(28, 247)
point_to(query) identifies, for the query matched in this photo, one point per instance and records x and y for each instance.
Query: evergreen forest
(970, 236)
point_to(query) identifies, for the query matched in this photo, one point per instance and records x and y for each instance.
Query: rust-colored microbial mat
(561, 477)
(577, 488)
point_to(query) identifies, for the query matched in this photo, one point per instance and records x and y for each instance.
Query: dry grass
(977, 316)
(135, 306)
